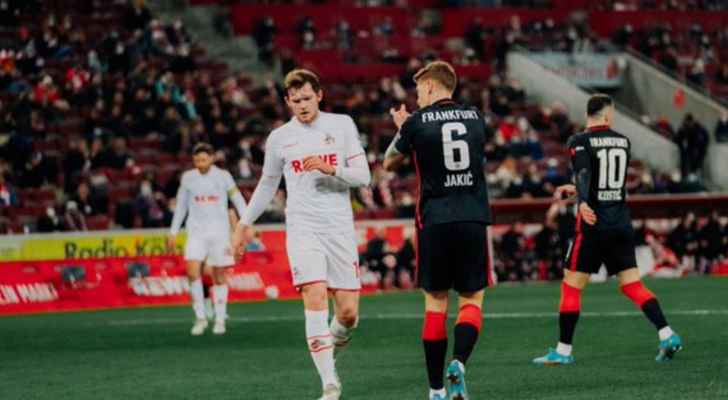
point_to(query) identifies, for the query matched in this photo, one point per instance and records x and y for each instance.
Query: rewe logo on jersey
(330, 159)
(207, 199)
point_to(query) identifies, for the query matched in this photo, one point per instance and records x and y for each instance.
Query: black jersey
(606, 155)
(447, 143)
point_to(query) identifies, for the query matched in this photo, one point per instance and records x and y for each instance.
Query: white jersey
(316, 202)
(205, 197)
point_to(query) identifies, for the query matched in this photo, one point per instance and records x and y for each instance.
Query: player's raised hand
(399, 115)
(568, 190)
(315, 163)
(589, 216)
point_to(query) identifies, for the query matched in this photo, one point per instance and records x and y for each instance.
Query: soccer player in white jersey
(321, 158)
(203, 197)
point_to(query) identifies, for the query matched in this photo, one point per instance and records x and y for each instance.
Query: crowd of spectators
(688, 245)
(100, 107)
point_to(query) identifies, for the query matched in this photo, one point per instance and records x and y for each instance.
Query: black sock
(435, 352)
(466, 335)
(653, 312)
(567, 325)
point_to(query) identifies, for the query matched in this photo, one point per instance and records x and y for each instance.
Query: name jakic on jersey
(331, 159)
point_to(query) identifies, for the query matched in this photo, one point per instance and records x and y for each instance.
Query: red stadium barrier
(68, 285)
(73, 285)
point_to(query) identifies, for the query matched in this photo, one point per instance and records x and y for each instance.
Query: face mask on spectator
(146, 189)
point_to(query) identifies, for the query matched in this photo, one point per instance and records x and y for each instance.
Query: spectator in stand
(117, 156)
(406, 264)
(264, 35)
(306, 30)
(692, 138)
(75, 162)
(721, 128)
(533, 184)
(74, 219)
(150, 204)
(512, 247)
(376, 250)
(38, 172)
(8, 196)
(137, 16)
(83, 200)
(721, 75)
(711, 243)
(684, 239)
(50, 222)
(475, 38)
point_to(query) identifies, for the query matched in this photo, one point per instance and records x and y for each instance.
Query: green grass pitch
(149, 354)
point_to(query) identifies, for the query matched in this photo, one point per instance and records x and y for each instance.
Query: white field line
(406, 316)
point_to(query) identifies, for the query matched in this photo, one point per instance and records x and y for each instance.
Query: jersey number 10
(449, 145)
(612, 168)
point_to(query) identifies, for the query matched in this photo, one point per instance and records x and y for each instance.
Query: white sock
(220, 296)
(198, 299)
(665, 333)
(339, 331)
(563, 349)
(320, 344)
(442, 392)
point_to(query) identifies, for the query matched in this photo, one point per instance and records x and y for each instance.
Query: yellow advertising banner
(100, 245)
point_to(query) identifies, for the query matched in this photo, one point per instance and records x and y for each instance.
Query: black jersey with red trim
(446, 141)
(606, 155)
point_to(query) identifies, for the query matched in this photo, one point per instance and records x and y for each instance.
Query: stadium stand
(99, 105)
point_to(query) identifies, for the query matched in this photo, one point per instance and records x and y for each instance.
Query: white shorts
(330, 258)
(215, 250)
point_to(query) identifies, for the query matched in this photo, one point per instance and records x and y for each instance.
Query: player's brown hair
(203, 147)
(299, 77)
(441, 72)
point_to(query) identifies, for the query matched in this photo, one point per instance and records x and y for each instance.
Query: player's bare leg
(220, 297)
(318, 336)
(346, 317)
(467, 330)
(434, 340)
(194, 274)
(631, 286)
(569, 309)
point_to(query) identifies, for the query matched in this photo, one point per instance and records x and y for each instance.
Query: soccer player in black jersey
(600, 157)
(445, 141)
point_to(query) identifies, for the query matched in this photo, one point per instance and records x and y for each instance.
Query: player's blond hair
(297, 78)
(441, 72)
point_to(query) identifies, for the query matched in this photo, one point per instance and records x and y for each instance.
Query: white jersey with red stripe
(203, 198)
(316, 202)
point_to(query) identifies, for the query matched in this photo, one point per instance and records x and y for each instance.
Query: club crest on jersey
(329, 140)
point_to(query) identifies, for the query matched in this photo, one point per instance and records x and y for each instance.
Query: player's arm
(581, 164)
(262, 196)
(234, 195)
(354, 171)
(395, 156)
(180, 212)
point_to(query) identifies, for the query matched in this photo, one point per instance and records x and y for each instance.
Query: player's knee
(314, 297)
(347, 316)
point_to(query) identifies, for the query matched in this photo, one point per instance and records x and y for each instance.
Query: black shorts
(456, 256)
(593, 247)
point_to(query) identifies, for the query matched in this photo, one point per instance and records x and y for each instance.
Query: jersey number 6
(449, 145)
